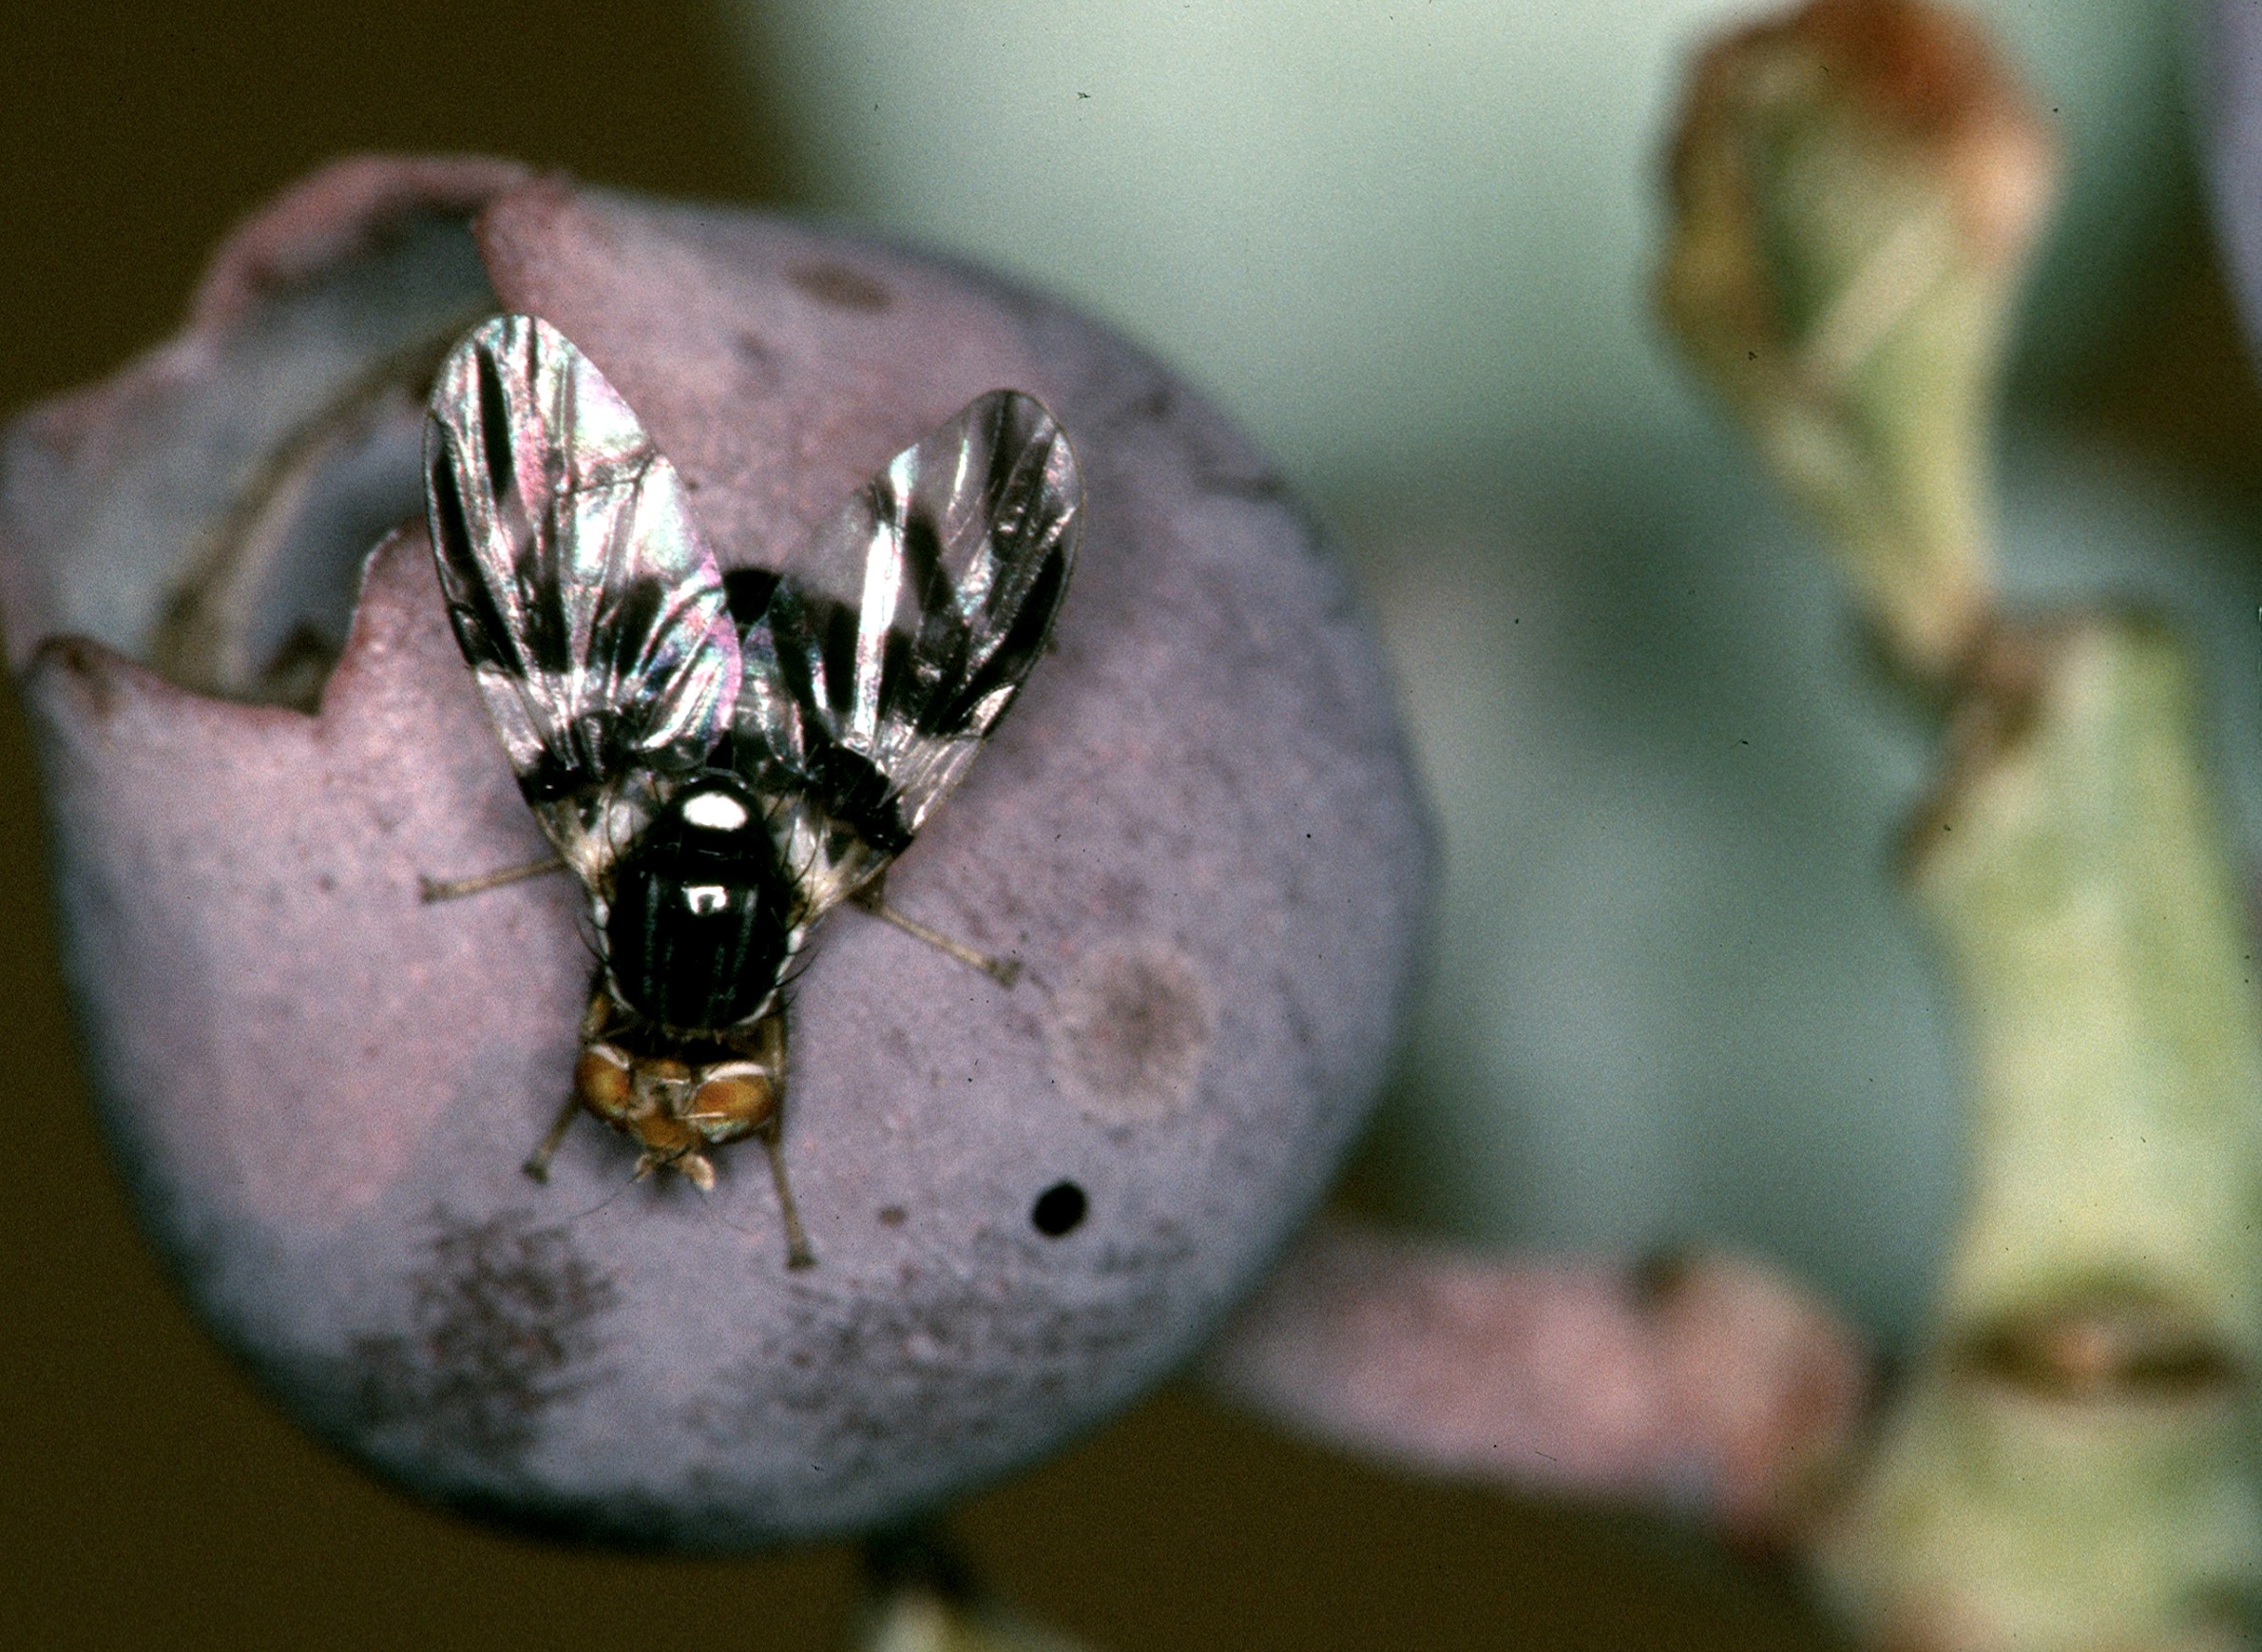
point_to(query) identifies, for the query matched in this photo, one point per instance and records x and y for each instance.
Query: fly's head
(674, 1106)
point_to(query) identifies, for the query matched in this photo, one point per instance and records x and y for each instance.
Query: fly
(722, 759)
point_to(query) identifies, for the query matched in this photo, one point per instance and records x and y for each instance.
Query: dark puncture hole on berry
(1060, 1210)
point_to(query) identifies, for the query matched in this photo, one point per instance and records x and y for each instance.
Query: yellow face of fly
(672, 1109)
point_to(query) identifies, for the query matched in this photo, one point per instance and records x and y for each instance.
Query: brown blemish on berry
(758, 361)
(841, 287)
(1130, 1031)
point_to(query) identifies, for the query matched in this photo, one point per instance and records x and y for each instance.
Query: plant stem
(2069, 1465)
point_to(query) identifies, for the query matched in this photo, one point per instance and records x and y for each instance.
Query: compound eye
(600, 1080)
(733, 1100)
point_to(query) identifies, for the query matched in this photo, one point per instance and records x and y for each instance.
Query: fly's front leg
(771, 1054)
(537, 1164)
(601, 1083)
(798, 1254)
(438, 889)
(873, 898)
(747, 1098)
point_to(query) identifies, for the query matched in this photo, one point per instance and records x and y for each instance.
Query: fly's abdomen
(697, 934)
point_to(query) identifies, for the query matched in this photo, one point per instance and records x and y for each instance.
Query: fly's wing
(895, 638)
(590, 614)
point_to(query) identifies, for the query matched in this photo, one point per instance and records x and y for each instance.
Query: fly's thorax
(699, 925)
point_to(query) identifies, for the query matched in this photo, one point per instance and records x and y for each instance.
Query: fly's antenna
(713, 1208)
(798, 1254)
(608, 1198)
(797, 1244)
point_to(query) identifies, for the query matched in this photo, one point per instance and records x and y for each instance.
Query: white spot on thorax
(704, 899)
(713, 812)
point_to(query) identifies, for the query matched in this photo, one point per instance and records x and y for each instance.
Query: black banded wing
(897, 636)
(592, 616)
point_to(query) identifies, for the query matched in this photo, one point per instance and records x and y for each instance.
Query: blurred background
(1674, 996)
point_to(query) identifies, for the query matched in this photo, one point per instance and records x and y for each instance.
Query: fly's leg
(438, 889)
(736, 1099)
(537, 1164)
(1004, 971)
(771, 1045)
(798, 1254)
(603, 1083)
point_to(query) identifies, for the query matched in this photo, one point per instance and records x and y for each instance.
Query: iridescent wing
(591, 615)
(897, 635)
